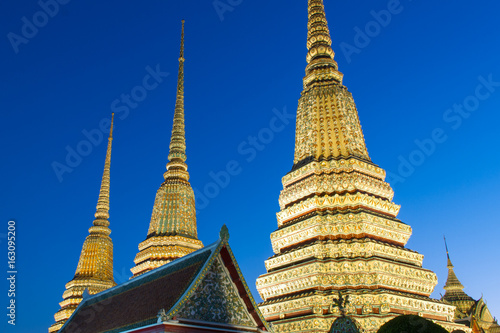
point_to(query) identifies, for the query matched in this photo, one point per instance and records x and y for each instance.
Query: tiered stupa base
(338, 231)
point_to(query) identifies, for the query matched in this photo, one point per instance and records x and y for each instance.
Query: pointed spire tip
(449, 264)
(321, 65)
(111, 126)
(177, 153)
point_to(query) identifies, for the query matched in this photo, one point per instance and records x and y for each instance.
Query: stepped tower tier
(337, 226)
(94, 272)
(172, 231)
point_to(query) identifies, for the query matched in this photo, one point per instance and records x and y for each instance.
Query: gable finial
(224, 233)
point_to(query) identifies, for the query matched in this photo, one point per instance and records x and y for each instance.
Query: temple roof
(170, 289)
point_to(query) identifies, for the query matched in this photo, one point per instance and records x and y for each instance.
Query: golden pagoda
(454, 291)
(172, 231)
(337, 227)
(470, 312)
(94, 272)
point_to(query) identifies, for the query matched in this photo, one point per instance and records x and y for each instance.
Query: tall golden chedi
(94, 272)
(337, 228)
(172, 231)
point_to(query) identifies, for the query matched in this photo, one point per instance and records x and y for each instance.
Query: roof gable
(136, 302)
(205, 286)
(216, 299)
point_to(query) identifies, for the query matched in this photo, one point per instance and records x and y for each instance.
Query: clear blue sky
(241, 64)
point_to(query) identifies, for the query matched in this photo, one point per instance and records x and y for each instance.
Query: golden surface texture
(337, 225)
(328, 125)
(352, 225)
(351, 248)
(360, 273)
(94, 272)
(327, 183)
(172, 230)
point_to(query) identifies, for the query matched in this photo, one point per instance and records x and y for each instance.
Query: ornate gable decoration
(216, 299)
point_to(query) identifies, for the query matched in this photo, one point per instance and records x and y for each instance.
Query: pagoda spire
(321, 66)
(449, 264)
(328, 125)
(452, 283)
(102, 210)
(454, 293)
(94, 272)
(319, 42)
(337, 226)
(172, 230)
(177, 155)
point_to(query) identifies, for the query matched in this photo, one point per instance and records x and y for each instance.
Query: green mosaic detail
(216, 299)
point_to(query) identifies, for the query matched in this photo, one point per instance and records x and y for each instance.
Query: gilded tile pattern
(95, 266)
(352, 248)
(338, 227)
(172, 230)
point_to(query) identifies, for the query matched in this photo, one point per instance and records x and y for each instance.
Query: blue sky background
(241, 65)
